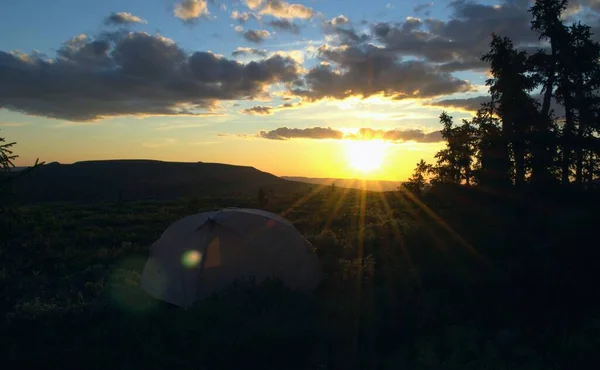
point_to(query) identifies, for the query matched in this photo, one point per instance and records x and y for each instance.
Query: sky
(315, 88)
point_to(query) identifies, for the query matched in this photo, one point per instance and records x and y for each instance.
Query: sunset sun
(365, 155)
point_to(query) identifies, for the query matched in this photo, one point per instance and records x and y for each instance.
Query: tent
(205, 252)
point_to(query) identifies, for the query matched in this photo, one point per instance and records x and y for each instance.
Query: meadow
(455, 279)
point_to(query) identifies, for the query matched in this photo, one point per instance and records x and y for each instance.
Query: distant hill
(373, 185)
(128, 180)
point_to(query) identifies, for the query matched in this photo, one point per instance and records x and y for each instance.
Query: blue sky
(191, 80)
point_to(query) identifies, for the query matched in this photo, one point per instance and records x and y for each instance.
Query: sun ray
(314, 191)
(337, 206)
(417, 202)
(397, 234)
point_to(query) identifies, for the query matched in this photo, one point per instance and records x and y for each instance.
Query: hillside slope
(128, 180)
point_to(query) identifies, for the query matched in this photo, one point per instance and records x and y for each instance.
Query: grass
(436, 283)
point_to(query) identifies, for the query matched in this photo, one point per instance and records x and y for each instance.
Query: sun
(365, 155)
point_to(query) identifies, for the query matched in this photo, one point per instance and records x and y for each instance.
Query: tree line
(516, 139)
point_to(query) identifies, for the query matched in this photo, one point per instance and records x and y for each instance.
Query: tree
(509, 87)
(547, 21)
(262, 198)
(582, 69)
(455, 162)
(418, 182)
(6, 165)
(492, 162)
(7, 175)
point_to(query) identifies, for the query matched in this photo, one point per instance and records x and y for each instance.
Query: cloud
(281, 9)
(240, 51)
(132, 73)
(122, 18)
(285, 25)
(12, 124)
(460, 41)
(473, 104)
(285, 133)
(339, 20)
(395, 136)
(243, 17)
(265, 110)
(467, 104)
(256, 36)
(253, 4)
(258, 109)
(398, 135)
(355, 71)
(191, 9)
(339, 31)
(422, 7)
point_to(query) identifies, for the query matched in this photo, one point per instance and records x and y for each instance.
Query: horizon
(332, 91)
(21, 167)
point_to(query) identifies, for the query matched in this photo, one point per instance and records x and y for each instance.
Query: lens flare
(191, 258)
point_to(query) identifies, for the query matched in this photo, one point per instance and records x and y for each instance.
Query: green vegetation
(447, 281)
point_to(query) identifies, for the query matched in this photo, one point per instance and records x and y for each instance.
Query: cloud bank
(131, 73)
(122, 72)
(394, 136)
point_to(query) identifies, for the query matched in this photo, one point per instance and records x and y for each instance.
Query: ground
(446, 282)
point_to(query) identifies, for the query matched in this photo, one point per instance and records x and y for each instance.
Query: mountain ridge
(144, 179)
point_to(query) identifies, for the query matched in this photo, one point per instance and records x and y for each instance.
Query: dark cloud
(265, 110)
(131, 73)
(285, 25)
(248, 51)
(256, 36)
(473, 104)
(396, 136)
(284, 133)
(468, 104)
(258, 109)
(342, 29)
(464, 38)
(122, 18)
(422, 7)
(369, 71)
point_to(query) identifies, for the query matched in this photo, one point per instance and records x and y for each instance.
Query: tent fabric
(203, 253)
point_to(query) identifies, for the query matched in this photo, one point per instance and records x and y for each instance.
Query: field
(456, 280)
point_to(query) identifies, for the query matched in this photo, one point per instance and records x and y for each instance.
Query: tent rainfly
(202, 253)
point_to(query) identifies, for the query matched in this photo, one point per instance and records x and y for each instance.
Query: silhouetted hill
(373, 185)
(143, 179)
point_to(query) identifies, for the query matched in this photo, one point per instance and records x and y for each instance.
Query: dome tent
(202, 253)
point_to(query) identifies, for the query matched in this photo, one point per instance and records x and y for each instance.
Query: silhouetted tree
(455, 162)
(509, 87)
(514, 139)
(551, 67)
(6, 165)
(492, 162)
(262, 198)
(418, 181)
(582, 71)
